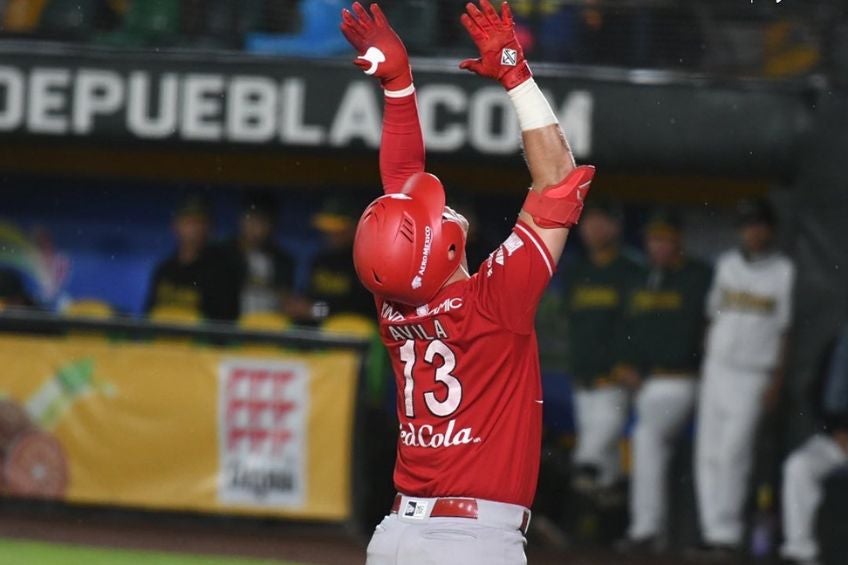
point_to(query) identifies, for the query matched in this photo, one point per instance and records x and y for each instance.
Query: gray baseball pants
(413, 537)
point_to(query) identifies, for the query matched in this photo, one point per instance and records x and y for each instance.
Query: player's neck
(753, 256)
(460, 274)
(603, 256)
(189, 253)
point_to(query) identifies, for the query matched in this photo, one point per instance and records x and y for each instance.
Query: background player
(806, 469)
(463, 346)
(596, 287)
(665, 325)
(750, 307)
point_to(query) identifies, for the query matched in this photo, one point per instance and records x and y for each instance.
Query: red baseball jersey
(469, 397)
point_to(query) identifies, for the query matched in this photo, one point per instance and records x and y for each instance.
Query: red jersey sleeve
(513, 279)
(402, 145)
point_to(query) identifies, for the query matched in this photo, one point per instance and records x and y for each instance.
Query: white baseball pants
(729, 411)
(601, 416)
(803, 477)
(663, 408)
(493, 538)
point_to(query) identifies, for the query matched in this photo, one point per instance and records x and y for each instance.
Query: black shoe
(638, 547)
(614, 496)
(585, 480)
(788, 561)
(713, 553)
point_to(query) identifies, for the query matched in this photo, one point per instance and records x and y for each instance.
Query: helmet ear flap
(453, 237)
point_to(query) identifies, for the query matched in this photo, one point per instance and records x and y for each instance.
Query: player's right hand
(501, 55)
(381, 52)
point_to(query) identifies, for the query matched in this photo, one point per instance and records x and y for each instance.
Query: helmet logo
(425, 257)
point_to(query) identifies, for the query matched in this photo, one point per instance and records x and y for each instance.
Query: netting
(775, 38)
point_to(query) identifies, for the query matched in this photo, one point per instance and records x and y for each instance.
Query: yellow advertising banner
(175, 426)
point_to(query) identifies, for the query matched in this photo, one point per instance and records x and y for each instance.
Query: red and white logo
(374, 56)
(388, 312)
(447, 305)
(262, 411)
(425, 436)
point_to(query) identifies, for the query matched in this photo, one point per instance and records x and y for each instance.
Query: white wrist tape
(532, 107)
(400, 93)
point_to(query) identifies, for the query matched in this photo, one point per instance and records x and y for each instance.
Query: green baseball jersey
(552, 334)
(594, 305)
(665, 319)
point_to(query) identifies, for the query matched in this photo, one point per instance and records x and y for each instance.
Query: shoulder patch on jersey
(513, 243)
(499, 256)
(536, 243)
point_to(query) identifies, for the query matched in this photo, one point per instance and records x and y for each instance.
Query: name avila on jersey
(426, 330)
(424, 436)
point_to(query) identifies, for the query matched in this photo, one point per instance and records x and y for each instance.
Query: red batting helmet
(401, 250)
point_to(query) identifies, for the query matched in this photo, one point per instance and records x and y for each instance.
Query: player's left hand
(501, 55)
(381, 52)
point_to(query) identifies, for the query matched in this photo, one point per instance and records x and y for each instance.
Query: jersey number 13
(443, 375)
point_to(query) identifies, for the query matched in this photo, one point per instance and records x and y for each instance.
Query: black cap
(664, 220)
(194, 205)
(607, 206)
(755, 211)
(260, 203)
(336, 214)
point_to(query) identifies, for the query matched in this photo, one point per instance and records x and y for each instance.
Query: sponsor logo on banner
(262, 440)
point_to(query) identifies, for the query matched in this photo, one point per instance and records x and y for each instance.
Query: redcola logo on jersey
(423, 436)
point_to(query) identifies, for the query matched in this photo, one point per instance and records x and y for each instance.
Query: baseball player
(596, 286)
(665, 324)
(808, 466)
(463, 346)
(749, 306)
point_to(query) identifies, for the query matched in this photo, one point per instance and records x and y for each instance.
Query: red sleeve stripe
(539, 245)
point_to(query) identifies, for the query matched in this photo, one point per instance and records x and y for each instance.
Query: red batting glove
(381, 52)
(501, 56)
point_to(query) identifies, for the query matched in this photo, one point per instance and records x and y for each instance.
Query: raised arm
(383, 55)
(555, 200)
